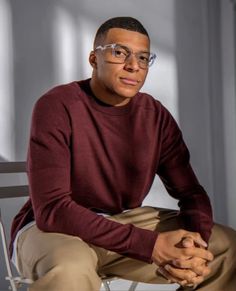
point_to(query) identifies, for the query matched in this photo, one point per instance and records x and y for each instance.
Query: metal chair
(23, 191)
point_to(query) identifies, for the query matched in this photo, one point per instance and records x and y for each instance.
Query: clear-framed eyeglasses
(119, 54)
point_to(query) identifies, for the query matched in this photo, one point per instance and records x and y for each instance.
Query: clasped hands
(181, 257)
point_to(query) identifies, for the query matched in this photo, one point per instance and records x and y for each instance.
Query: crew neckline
(102, 106)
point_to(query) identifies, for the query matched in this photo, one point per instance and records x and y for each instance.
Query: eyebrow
(141, 51)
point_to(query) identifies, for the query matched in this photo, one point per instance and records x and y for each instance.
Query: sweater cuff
(142, 244)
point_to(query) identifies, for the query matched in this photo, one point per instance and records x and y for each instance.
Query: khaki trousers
(58, 262)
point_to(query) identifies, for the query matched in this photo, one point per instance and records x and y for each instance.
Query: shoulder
(60, 98)
(65, 94)
(154, 107)
(148, 102)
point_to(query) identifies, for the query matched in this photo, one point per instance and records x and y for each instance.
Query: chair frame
(23, 191)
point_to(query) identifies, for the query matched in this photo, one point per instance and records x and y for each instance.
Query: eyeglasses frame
(152, 56)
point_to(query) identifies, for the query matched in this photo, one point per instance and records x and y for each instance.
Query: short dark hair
(125, 22)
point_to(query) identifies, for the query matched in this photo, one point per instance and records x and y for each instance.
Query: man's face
(125, 79)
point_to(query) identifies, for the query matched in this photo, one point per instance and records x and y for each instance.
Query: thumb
(188, 242)
(195, 238)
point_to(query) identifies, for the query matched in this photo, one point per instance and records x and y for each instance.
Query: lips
(129, 81)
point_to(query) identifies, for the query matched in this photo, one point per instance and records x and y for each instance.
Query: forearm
(196, 212)
(56, 211)
(194, 203)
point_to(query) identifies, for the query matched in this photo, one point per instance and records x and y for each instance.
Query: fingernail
(205, 244)
(167, 267)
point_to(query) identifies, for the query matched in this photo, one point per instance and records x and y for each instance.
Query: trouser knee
(69, 261)
(66, 275)
(223, 240)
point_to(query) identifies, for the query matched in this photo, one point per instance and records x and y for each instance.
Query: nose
(131, 63)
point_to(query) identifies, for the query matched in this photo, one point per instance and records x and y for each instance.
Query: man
(95, 148)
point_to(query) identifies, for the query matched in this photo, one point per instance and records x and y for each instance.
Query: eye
(120, 52)
(144, 58)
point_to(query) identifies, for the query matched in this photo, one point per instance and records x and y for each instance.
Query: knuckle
(186, 251)
(211, 256)
(181, 231)
(200, 271)
(195, 265)
(207, 271)
(193, 233)
(183, 283)
(188, 277)
(197, 234)
(180, 264)
(177, 263)
(182, 258)
(198, 280)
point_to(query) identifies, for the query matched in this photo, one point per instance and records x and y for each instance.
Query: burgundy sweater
(85, 157)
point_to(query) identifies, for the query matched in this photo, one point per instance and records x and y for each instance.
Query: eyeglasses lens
(119, 54)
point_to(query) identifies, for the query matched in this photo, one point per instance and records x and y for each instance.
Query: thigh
(40, 251)
(155, 219)
(222, 238)
(222, 244)
(152, 218)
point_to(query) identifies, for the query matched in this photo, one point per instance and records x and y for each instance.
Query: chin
(127, 93)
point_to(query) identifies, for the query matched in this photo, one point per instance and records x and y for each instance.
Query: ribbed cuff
(142, 244)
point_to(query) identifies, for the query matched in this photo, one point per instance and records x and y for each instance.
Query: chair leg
(106, 285)
(6, 255)
(133, 286)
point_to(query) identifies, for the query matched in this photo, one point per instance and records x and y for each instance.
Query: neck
(107, 97)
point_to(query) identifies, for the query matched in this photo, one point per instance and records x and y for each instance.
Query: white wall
(7, 134)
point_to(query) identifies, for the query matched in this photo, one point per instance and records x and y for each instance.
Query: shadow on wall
(200, 95)
(2, 159)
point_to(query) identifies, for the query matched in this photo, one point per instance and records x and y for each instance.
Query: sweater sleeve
(49, 163)
(180, 181)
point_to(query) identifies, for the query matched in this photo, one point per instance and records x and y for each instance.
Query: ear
(93, 60)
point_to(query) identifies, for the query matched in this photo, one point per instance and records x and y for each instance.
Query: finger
(166, 275)
(185, 264)
(197, 280)
(198, 252)
(197, 265)
(187, 275)
(171, 279)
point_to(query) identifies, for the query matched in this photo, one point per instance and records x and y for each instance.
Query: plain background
(45, 43)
